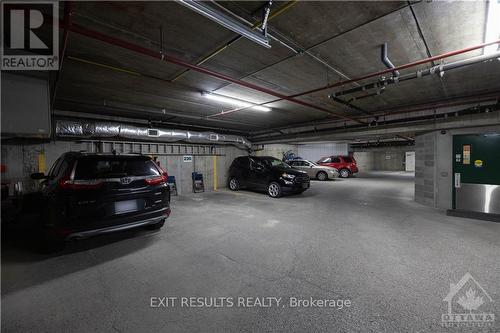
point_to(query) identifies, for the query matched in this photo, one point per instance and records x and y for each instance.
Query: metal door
(476, 173)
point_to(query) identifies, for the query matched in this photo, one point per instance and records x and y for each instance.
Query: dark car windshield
(95, 167)
(274, 162)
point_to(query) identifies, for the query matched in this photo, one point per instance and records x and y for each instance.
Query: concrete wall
(389, 160)
(316, 151)
(433, 165)
(21, 160)
(364, 160)
(276, 150)
(382, 159)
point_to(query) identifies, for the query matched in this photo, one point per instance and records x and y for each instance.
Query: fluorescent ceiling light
(492, 26)
(235, 101)
(225, 21)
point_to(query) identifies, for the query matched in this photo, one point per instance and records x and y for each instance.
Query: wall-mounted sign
(478, 163)
(466, 154)
(187, 158)
(458, 158)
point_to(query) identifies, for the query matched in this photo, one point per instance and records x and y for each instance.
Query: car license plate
(305, 185)
(128, 206)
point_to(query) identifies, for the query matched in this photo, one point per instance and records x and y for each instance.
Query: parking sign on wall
(30, 39)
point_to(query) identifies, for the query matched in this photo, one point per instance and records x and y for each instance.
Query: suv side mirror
(38, 175)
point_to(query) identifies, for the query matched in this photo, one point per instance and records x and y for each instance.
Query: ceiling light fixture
(225, 21)
(235, 101)
(492, 26)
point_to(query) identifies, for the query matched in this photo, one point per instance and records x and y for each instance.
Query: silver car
(314, 170)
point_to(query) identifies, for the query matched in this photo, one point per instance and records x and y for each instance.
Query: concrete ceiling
(109, 80)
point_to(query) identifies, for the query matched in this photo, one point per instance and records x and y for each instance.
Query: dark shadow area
(21, 254)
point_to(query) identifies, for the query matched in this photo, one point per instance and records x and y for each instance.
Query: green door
(476, 173)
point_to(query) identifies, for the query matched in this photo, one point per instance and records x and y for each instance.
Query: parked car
(266, 173)
(314, 170)
(345, 164)
(85, 195)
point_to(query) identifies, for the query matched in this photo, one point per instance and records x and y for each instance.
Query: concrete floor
(362, 239)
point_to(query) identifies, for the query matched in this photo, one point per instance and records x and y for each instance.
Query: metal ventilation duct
(90, 129)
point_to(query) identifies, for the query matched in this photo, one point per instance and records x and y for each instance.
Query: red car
(345, 164)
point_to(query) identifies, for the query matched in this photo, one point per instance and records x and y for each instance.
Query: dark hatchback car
(91, 194)
(268, 174)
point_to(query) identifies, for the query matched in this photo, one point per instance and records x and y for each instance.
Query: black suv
(266, 173)
(90, 194)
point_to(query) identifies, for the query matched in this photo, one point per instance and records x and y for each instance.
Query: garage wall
(276, 150)
(389, 160)
(21, 160)
(315, 151)
(433, 165)
(311, 152)
(382, 159)
(364, 160)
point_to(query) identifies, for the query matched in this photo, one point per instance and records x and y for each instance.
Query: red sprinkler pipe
(408, 65)
(379, 73)
(156, 54)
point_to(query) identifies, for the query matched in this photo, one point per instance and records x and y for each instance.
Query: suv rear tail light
(156, 180)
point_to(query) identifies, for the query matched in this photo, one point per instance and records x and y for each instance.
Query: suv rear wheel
(274, 190)
(344, 173)
(234, 185)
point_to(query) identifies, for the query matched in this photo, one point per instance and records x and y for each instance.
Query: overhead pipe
(149, 111)
(94, 129)
(375, 74)
(426, 122)
(438, 69)
(466, 100)
(156, 54)
(400, 67)
(69, 115)
(164, 57)
(386, 60)
(307, 50)
(383, 82)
